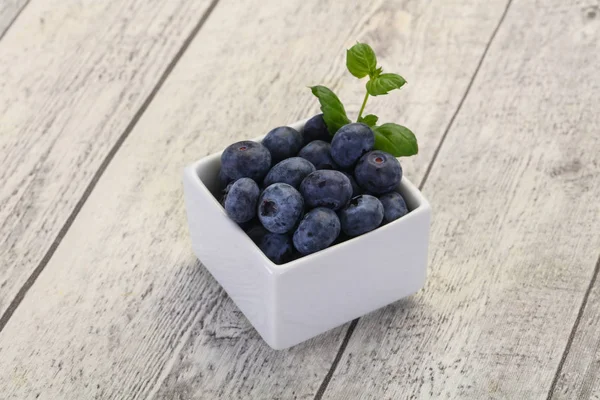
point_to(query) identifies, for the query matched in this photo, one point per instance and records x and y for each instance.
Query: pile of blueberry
(298, 193)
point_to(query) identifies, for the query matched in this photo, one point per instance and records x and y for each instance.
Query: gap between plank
(351, 328)
(10, 24)
(336, 360)
(14, 304)
(573, 331)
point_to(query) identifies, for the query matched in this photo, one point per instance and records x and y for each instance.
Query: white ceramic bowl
(293, 302)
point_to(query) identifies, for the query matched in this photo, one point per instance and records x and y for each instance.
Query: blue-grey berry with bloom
(280, 207)
(350, 142)
(363, 214)
(256, 231)
(378, 172)
(356, 190)
(246, 159)
(316, 129)
(283, 142)
(291, 171)
(326, 188)
(224, 194)
(277, 247)
(394, 206)
(318, 153)
(224, 180)
(318, 230)
(240, 200)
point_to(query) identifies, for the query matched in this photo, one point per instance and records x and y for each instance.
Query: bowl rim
(405, 185)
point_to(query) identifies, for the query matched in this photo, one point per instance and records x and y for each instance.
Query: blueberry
(256, 231)
(356, 190)
(362, 215)
(318, 229)
(325, 188)
(224, 180)
(378, 172)
(291, 171)
(296, 255)
(394, 206)
(246, 159)
(341, 238)
(277, 247)
(280, 206)
(249, 224)
(315, 129)
(224, 194)
(283, 142)
(350, 143)
(240, 200)
(318, 153)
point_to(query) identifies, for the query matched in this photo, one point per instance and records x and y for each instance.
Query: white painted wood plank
(133, 315)
(515, 229)
(72, 76)
(579, 377)
(9, 9)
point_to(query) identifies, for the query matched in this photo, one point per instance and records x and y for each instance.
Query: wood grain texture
(515, 234)
(9, 9)
(579, 377)
(72, 76)
(132, 314)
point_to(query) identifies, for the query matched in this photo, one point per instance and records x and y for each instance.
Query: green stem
(362, 108)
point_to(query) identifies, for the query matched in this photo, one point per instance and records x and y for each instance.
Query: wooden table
(103, 102)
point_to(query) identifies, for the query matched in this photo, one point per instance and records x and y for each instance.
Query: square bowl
(293, 302)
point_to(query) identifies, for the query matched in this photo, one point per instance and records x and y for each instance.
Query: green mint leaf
(361, 60)
(395, 139)
(384, 83)
(370, 120)
(333, 110)
(377, 72)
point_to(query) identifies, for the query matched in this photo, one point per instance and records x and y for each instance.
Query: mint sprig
(334, 113)
(370, 119)
(384, 83)
(361, 61)
(395, 139)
